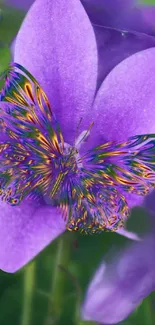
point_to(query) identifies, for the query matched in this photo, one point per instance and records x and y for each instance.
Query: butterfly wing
(101, 208)
(130, 166)
(90, 205)
(109, 171)
(33, 138)
(30, 155)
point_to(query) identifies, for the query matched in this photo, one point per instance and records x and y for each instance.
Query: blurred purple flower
(122, 28)
(20, 4)
(59, 48)
(119, 286)
(129, 15)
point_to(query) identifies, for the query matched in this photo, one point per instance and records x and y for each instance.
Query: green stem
(29, 277)
(56, 295)
(78, 294)
(148, 311)
(86, 323)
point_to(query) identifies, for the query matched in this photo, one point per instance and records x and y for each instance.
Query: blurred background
(48, 291)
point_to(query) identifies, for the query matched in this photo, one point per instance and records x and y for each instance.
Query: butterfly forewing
(27, 110)
(34, 138)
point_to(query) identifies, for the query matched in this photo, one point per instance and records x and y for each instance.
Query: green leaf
(148, 2)
(139, 221)
(5, 58)
(10, 21)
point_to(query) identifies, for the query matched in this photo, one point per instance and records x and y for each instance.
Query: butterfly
(36, 163)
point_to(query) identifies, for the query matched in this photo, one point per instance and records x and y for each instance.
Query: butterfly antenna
(77, 130)
(86, 133)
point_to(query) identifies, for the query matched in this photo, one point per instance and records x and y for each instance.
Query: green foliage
(10, 21)
(148, 2)
(5, 57)
(86, 253)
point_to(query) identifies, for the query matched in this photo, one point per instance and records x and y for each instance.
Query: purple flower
(119, 286)
(24, 5)
(122, 28)
(58, 47)
(130, 15)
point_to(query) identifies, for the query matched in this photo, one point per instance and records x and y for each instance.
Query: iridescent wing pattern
(36, 163)
(130, 166)
(110, 171)
(33, 137)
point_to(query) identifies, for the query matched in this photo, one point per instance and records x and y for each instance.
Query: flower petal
(128, 234)
(12, 48)
(24, 231)
(126, 15)
(148, 14)
(125, 103)
(25, 5)
(58, 47)
(114, 46)
(120, 286)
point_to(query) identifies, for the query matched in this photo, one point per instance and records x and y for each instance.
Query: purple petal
(120, 286)
(24, 231)
(126, 15)
(20, 4)
(56, 43)
(128, 234)
(114, 46)
(124, 105)
(12, 48)
(148, 14)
